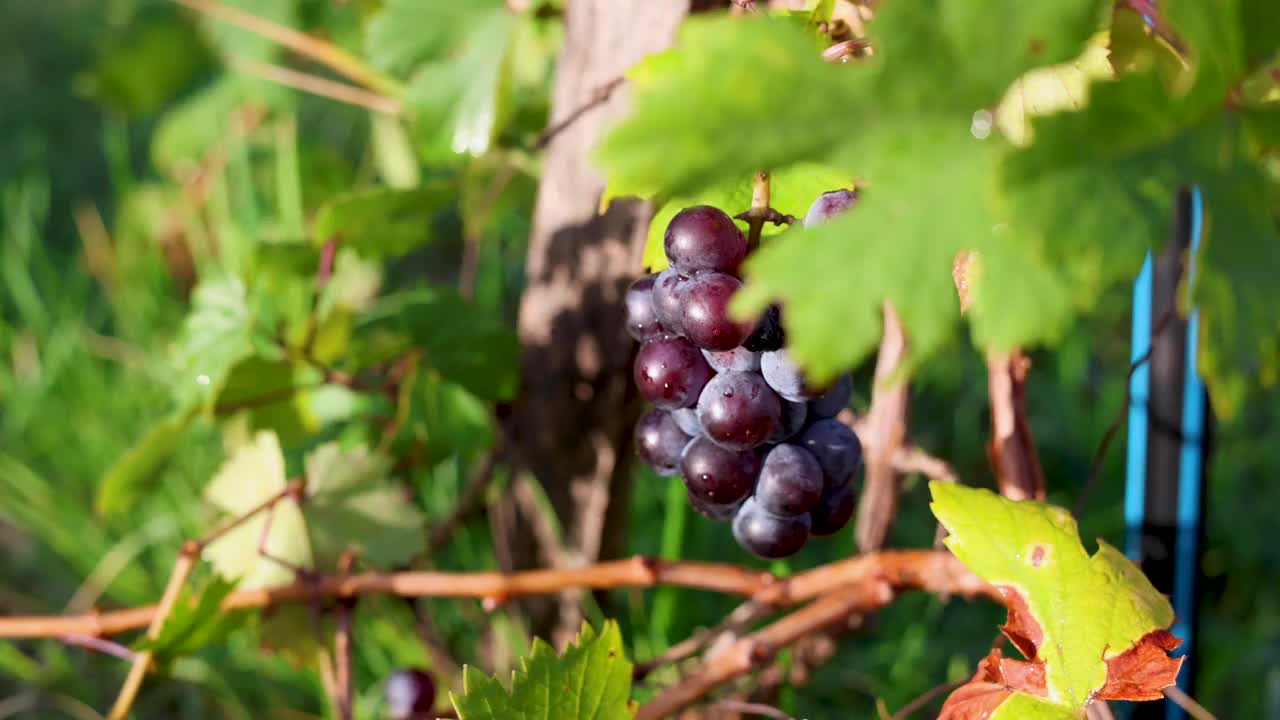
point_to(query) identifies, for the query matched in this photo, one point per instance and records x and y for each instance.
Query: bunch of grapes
(755, 442)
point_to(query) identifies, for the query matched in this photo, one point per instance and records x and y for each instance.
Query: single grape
(830, 403)
(670, 372)
(410, 694)
(738, 410)
(718, 475)
(738, 359)
(687, 420)
(828, 205)
(790, 481)
(835, 446)
(790, 422)
(768, 334)
(766, 535)
(668, 299)
(705, 319)
(714, 511)
(833, 510)
(704, 238)
(785, 376)
(642, 319)
(659, 442)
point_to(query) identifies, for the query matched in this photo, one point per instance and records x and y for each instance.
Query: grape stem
(931, 571)
(760, 212)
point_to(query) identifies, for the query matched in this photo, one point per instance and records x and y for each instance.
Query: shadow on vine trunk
(570, 426)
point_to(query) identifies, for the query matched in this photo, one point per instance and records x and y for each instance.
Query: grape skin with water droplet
(705, 317)
(738, 410)
(668, 299)
(659, 442)
(702, 237)
(642, 319)
(738, 359)
(670, 372)
(716, 474)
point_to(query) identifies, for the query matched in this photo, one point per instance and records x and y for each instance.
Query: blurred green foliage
(135, 168)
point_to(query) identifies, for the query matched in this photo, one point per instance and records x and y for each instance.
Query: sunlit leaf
(590, 681)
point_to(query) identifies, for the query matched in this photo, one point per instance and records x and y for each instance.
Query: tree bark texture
(571, 424)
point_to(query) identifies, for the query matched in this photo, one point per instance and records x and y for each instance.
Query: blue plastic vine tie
(1135, 489)
(1189, 468)
(1191, 448)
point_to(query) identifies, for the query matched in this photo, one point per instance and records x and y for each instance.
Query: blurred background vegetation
(126, 145)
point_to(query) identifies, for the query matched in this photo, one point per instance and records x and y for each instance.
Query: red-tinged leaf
(1020, 627)
(1084, 622)
(1013, 674)
(974, 701)
(1142, 671)
(997, 678)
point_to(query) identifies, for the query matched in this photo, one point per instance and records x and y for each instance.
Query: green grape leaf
(451, 420)
(457, 104)
(1091, 627)
(252, 475)
(349, 505)
(274, 394)
(468, 344)
(914, 40)
(216, 334)
(895, 245)
(591, 680)
(383, 222)
(134, 473)
(197, 621)
(1112, 172)
(406, 32)
(737, 94)
(792, 190)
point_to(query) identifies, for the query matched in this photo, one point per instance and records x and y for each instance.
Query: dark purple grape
(833, 510)
(790, 481)
(835, 446)
(714, 511)
(668, 299)
(670, 372)
(790, 422)
(766, 535)
(718, 475)
(705, 319)
(828, 205)
(704, 238)
(687, 420)
(410, 694)
(642, 319)
(768, 334)
(785, 376)
(738, 410)
(659, 442)
(738, 359)
(830, 403)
